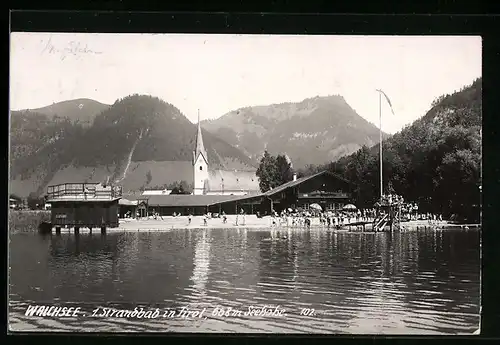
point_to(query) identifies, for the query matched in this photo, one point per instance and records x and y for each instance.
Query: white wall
(200, 176)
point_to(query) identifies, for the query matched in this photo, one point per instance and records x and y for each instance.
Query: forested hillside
(138, 141)
(436, 161)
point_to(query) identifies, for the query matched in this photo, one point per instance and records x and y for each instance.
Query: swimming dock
(84, 205)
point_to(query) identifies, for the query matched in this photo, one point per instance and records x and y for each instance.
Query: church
(208, 181)
(230, 191)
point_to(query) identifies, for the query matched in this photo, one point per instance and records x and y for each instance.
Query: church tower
(200, 163)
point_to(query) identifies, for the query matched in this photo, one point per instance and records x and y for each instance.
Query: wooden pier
(84, 205)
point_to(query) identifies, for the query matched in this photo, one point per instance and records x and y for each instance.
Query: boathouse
(330, 191)
(87, 205)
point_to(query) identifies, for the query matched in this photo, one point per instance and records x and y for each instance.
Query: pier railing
(83, 191)
(380, 223)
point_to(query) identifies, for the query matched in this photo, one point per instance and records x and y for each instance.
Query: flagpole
(380, 146)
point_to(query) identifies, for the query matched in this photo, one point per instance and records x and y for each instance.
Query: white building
(219, 182)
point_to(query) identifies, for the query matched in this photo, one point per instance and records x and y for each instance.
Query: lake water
(417, 282)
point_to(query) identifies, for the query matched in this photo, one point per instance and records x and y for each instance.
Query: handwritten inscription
(74, 48)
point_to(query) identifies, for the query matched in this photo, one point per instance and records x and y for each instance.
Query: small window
(201, 168)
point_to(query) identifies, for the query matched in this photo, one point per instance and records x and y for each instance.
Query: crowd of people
(327, 218)
(336, 218)
(390, 199)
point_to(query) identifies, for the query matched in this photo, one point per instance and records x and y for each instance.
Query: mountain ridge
(83, 110)
(135, 141)
(313, 131)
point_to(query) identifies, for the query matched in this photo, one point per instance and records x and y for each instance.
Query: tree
(284, 169)
(267, 172)
(308, 170)
(273, 171)
(16, 197)
(34, 201)
(149, 177)
(181, 187)
(185, 187)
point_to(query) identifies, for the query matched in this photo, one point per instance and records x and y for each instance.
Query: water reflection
(416, 282)
(201, 263)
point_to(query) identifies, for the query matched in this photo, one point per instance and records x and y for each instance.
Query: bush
(27, 221)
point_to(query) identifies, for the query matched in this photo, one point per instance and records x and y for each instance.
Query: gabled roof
(134, 196)
(193, 200)
(302, 180)
(126, 202)
(233, 180)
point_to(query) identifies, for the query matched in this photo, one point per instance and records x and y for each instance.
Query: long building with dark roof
(330, 191)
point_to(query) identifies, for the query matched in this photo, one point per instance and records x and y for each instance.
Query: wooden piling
(103, 230)
(77, 230)
(58, 229)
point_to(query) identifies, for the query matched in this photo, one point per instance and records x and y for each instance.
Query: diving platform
(83, 192)
(388, 213)
(83, 205)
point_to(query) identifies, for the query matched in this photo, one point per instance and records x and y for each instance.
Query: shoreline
(252, 222)
(169, 223)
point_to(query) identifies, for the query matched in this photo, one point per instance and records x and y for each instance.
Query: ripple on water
(356, 283)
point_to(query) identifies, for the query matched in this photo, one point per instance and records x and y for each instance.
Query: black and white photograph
(227, 183)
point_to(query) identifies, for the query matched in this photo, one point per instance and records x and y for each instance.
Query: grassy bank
(27, 220)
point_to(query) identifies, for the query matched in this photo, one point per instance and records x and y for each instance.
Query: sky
(220, 73)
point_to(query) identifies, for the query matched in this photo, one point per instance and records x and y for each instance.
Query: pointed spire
(200, 148)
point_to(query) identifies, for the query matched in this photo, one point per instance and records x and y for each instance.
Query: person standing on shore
(224, 217)
(242, 217)
(205, 219)
(189, 219)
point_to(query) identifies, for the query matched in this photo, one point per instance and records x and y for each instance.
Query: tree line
(435, 162)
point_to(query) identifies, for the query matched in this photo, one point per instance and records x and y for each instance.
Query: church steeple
(199, 148)
(200, 164)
